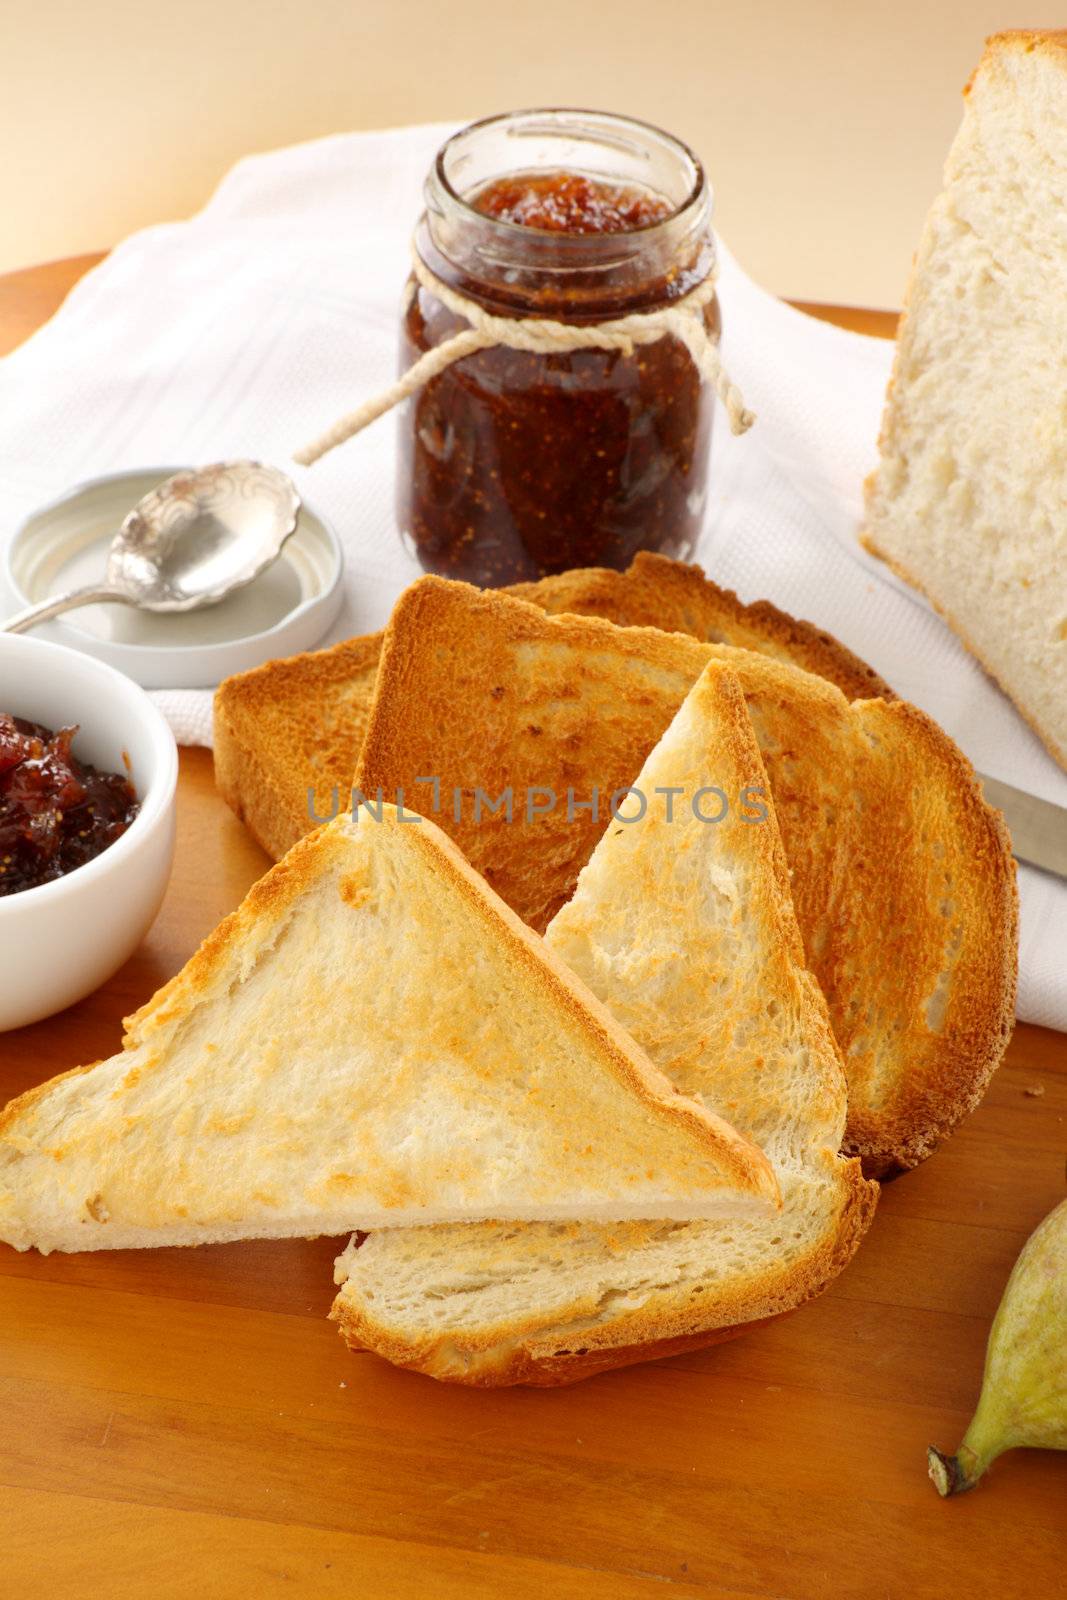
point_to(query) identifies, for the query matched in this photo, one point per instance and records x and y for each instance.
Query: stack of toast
(901, 875)
(658, 930)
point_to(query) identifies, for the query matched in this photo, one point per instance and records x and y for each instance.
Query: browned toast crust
(579, 1348)
(659, 593)
(947, 858)
(288, 727)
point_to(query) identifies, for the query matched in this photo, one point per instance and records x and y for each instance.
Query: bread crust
(275, 735)
(1046, 41)
(15, 1110)
(948, 1069)
(521, 1352)
(657, 592)
(1056, 751)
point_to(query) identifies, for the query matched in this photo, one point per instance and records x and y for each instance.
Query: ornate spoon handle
(22, 621)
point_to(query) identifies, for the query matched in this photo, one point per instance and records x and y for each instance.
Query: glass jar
(515, 464)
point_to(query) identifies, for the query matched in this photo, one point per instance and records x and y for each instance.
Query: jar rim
(699, 193)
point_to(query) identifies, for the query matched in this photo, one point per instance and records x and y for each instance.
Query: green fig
(1024, 1386)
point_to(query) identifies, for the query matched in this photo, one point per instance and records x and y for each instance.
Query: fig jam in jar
(515, 464)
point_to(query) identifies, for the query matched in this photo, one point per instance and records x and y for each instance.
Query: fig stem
(953, 1474)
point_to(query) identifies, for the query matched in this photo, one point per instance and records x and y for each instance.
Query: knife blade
(1038, 828)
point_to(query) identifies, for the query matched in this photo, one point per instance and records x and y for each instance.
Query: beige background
(823, 125)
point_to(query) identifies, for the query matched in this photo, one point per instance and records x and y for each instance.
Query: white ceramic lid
(286, 609)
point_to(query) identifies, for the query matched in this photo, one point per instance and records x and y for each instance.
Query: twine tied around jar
(683, 320)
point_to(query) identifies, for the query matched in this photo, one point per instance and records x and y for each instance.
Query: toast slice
(686, 931)
(902, 876)
(656, 592)
(372, 1039)
(287, 734)
(969, 502)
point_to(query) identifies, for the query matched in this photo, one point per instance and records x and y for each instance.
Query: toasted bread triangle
(687, 932)
(372, 1039)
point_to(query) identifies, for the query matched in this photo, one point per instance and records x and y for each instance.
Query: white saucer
(286, 609)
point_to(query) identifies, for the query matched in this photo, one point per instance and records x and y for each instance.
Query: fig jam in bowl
(86, 824)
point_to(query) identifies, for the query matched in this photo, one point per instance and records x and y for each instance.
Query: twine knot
(682, 320)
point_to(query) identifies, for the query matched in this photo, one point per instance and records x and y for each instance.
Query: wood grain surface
(186, 1423)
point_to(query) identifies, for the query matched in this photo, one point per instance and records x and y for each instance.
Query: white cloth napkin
(248, 329)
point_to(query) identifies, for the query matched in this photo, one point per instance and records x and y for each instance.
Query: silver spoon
(189, 543)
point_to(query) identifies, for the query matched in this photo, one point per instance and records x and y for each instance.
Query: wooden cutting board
(186, 1423)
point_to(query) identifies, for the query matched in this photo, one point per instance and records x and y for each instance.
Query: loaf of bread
(969, 501)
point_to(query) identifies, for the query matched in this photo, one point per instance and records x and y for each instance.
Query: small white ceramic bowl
(62, 940)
